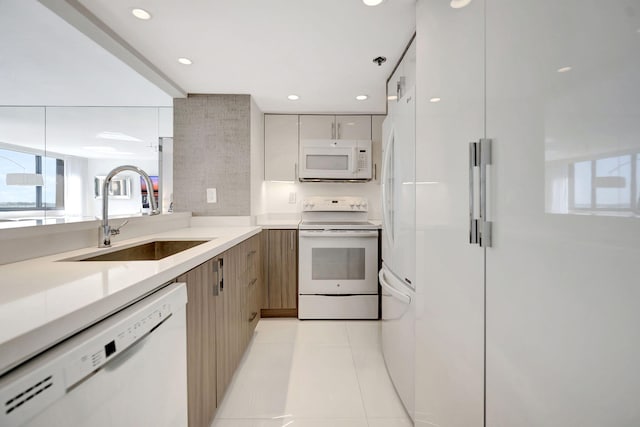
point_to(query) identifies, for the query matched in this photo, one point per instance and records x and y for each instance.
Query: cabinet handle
(485, 159)
(333, 130)
(479, 229)
(253, 316)
(221, 274)
(338, 132)
(375, 171)
(295, 171)
(253, 282)
(291, 241)
(216, 282)
(251, 253)
(473, 163)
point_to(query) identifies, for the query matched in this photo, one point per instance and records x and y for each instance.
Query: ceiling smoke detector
(380, 60)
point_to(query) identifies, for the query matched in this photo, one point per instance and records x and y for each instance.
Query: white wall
(101, 167)
(258, 199)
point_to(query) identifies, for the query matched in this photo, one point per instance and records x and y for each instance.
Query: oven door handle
(338, 233)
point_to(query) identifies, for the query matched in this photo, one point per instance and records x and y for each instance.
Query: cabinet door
(317, 127)
(353, 127)
(254, 278)
(224, 326)
(563, 110)
(283, 272)
(201, 344)
(280, 147)
(450, 271)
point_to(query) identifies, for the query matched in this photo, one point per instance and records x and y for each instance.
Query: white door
(397, 335)
(398, 190)
(317, 127)
(353, 127)
(563, 109)
(280, 147)
(404, 167)
(450, 284)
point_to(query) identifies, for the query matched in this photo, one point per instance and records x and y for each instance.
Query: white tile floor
(312, 374)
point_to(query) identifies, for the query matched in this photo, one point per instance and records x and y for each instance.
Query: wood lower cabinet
(222, 313)
(201, 342)
(281, 273)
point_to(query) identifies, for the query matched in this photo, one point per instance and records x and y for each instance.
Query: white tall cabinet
(449, 271)
(280, 147)
(541, 328)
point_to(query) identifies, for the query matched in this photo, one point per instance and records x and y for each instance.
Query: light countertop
(45, 300)
(279, 224)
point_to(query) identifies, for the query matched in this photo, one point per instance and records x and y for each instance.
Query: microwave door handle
(354, 161)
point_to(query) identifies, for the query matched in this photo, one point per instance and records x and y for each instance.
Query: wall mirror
(51, 158)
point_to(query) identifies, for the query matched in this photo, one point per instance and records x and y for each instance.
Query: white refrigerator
(397, 276)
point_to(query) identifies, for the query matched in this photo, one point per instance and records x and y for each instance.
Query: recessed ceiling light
(293, 97)
(185, 61)
(392, 98)
(434, 100)
(141, 14)
(459, 4)
(564, 69)
(361, 97)
(372, 2)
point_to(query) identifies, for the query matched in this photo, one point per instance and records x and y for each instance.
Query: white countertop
(44, 300)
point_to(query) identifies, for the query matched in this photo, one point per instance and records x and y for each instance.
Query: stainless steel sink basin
(150, 251)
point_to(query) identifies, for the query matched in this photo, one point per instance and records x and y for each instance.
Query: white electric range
(338, 260)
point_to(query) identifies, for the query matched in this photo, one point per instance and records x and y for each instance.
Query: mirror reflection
(51, 158)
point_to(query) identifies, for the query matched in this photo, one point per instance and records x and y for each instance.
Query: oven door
(338, 262)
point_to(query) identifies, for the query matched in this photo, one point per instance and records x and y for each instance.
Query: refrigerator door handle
(387, 223)
(391, 290)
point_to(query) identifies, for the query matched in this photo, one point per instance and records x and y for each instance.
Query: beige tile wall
(212, 135)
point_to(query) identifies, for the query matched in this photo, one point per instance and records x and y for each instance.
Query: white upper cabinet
(335, 127)
(280, 147)
(353, 127)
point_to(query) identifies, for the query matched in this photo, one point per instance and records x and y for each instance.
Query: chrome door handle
(338, 131)
(333, 131)
(485, 159)
(473, 163)
(480, 228)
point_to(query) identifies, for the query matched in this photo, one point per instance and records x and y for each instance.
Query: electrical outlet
(212, 196)
(292, 197)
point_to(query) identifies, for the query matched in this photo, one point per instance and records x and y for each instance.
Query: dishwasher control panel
(113, 342)
(40, 382)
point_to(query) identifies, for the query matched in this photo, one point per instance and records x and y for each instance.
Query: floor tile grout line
(355, 369)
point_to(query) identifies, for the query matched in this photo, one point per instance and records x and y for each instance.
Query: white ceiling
(45, 61)
(321, 50)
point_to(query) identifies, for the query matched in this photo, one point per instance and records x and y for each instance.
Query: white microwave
(335, 159)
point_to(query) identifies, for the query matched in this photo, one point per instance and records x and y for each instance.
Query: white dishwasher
(127, 370)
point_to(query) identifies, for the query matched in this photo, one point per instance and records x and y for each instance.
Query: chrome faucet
(105, 231)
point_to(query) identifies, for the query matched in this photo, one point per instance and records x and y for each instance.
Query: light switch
(212, 196)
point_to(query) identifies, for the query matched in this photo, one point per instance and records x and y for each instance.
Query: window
(605, 184)
(49, 196)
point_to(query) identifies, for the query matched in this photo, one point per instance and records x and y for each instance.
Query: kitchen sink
(150, 251)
